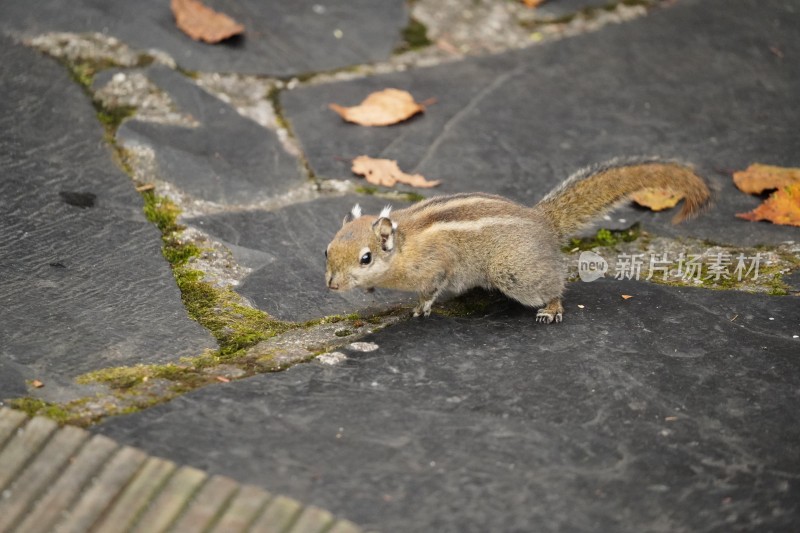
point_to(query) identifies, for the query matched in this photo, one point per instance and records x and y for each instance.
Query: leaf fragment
(37, 384)
(626, 296)
(382, 108)
(782, 207)
(758, 178)
(532, 3)
(387, 173)
(202, 23)
(657, 199)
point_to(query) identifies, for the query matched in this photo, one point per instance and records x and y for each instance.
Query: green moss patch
(415, 37)
(471, 303)
(400, 196)
(604, 237)
(35, 406)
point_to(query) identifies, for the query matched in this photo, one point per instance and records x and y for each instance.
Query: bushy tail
(595, 190)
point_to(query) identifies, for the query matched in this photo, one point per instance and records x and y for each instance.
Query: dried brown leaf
(202, 23)
(382, 108)
(758, 178)
(657, 199)
(37, 384)
(626, 296)
(387, 173)
(532, 3)
(222, 379)
(782, 207)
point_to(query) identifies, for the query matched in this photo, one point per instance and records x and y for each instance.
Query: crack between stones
(455, 119)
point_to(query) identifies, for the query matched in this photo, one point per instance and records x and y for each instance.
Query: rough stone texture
(227, 159)
(285, 248)
(609, 421)
(83, 284)
(721, 96)
(281, 38)
(564, 8)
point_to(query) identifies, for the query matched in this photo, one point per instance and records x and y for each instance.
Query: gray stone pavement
(84, 284)
(280, 39)
(674, 410)
(632, 417)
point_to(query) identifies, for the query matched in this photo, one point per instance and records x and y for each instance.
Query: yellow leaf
(382, 108)
(657, 199)
(387, 173)
(782, 207)
(758, 178)
(202, 23)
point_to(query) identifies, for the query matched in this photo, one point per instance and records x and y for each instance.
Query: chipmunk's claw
(547, 317)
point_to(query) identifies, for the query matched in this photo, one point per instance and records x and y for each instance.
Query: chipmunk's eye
(366, 258)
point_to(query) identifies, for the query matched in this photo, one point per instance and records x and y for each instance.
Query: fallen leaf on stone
(758, 178)
(782, 207)
(382, 108)
(387, 173)
(223, 379)
(37, 384)
(202, 23)
(145, 187)
(657, 199)
(626, 296)
(532, 3)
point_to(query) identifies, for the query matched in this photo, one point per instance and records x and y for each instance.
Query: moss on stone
(36, 406)
(604, 237)
(401, 196)
(112, 117)
(415, 37)
(471, 303)
(235, 326)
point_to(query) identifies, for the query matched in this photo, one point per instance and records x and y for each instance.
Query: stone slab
(226, 159)
(281, 38)
(721, 96)
(567, 8)
(675, 410)
(286, 250)
(83, 284)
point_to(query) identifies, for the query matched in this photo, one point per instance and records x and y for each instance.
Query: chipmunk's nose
(331, 285)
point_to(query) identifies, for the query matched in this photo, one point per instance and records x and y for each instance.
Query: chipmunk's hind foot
(552, 312)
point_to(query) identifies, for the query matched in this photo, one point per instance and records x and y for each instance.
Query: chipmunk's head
(361, 252)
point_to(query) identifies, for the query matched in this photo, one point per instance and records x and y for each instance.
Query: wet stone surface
(281, 38)
(609, 421)
(83, 284)
(285, 248)
(519, 123)
(226, 159)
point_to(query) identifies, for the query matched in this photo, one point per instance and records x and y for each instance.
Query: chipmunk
(457, 242)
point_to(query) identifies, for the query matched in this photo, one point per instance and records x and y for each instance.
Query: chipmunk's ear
(385, 229)
(352, 215)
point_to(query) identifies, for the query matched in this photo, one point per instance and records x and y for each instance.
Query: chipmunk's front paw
(548, 317)
(550, 313)
(422, 310)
